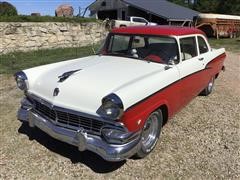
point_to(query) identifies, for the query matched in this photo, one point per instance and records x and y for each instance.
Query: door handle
(200, 59)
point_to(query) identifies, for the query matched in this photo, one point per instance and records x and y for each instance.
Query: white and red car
(116, 102)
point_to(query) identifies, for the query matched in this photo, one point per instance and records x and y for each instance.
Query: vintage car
(115, 103)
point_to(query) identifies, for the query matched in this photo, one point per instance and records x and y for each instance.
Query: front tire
(150, 134)
(208, 90)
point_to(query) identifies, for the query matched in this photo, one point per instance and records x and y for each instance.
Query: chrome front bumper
(80, 138)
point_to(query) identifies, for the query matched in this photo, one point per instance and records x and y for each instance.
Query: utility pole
(79, 11)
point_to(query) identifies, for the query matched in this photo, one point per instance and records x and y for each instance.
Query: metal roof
(158, 30)
(164, 9)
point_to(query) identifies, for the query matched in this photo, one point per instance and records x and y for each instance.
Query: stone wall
(28, 36)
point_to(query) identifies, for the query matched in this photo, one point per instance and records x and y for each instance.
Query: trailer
(218, 25)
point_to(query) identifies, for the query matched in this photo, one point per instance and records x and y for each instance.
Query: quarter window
(203, 48)
(119, 43)
(188, 48)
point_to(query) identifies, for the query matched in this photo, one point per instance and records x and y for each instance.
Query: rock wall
(26, 36)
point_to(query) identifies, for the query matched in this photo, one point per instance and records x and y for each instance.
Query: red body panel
(216, 64)
(174, 96)
(158, 30)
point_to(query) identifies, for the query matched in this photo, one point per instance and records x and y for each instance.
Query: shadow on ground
(90, 159)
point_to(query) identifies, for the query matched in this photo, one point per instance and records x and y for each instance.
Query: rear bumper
(80, 138)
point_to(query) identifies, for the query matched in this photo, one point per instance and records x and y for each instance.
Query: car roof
(158, 30)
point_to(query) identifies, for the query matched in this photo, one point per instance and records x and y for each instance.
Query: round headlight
(21, 80)
(112, 107)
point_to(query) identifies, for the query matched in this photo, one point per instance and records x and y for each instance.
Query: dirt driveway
(202, 141)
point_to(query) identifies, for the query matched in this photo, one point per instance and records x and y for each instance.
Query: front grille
(69, 119)
(45, 110)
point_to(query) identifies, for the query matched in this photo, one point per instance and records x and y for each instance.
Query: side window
(165, 47)
(140, 20)
(203, 48)
(188, 48)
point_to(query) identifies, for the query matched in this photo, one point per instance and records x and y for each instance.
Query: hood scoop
(66, 75)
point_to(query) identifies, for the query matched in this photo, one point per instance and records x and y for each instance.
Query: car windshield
(159, 49)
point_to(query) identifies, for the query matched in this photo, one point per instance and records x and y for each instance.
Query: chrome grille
(45, 110)
(69, 119)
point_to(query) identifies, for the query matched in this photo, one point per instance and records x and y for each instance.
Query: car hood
(97, 76)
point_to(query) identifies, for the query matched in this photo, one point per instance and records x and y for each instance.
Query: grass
(232, 45)
(13, 62)
(23, 18)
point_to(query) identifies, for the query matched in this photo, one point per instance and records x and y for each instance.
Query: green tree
(186, 3)
(229, 7)
(212, 6)
(7, 9)
(206, 6)
(179, 2)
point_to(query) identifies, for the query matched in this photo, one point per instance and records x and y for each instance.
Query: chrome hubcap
(150, 131)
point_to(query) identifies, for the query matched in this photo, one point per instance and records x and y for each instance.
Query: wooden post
(217, 32)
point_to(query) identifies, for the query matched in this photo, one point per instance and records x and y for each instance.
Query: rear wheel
(150, 134)
(209, 87)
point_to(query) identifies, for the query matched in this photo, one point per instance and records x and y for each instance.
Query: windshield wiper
(65, 75)
(122, 55)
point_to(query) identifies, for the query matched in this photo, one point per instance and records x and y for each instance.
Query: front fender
(135, 117)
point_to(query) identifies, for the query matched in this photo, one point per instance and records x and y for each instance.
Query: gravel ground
(202, 141)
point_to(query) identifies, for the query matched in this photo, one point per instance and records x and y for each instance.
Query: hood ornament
(65, 75)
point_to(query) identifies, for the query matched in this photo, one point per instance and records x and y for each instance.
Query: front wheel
(209, 88)
(150, 134)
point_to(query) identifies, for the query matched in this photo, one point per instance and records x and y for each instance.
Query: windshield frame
(105, 45)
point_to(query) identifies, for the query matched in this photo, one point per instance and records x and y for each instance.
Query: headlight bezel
(21, 80)
(111, 108)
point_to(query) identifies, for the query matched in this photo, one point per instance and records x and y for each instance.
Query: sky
(46, 7)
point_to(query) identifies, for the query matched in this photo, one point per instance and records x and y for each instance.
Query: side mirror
(171, 62)
(134, 53)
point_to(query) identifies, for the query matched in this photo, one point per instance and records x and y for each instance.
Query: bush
(45, 19)
(7, 9)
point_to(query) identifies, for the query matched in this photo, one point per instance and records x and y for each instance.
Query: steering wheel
(157, 56)
(154, 58)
